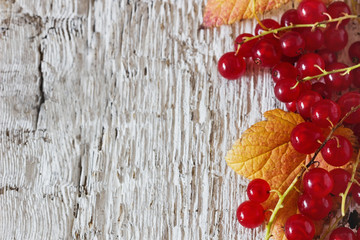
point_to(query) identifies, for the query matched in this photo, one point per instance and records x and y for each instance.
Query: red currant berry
(355, 191)
(258, 190)
(250, 214)
(335, 39)
(318, 183)
(266, 52)
(307, 65)
(320, 88)
(311, 11)
(287, 90)
(231, 66)
(354, 52)
(337, 151)
(337, 81)
(339, 9)
(283, 70)
(291, 106)
(341, 179)
(315, 208)
(290, 17)
(305, 101)
(328, 56)
(325, 113)
(306, 137)
(355, 78)
(292, 44)
(299, 227)
(348, 101)
(356, 130)
(314, 39)
(270, 24)
(342, 233)
(245, 48)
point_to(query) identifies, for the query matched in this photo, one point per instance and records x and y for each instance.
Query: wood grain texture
(115, 122)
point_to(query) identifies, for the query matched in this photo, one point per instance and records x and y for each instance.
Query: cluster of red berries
(307, 79)
(320, 188)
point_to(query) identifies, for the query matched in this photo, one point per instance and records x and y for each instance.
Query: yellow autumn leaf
(220, 12)
(264, 151)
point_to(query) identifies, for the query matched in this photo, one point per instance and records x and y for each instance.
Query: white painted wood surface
(115, 123)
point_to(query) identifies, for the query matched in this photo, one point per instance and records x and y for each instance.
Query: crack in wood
(41, 87)
(8, 188)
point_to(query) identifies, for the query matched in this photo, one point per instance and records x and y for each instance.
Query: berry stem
(257, 18)
(282, 197)
(324, 72)
(313, 25)
(279, 206)
(344, 195)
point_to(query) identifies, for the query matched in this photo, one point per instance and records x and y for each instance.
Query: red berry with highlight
(307, 65)
(325, 113)
(315, 208)
(250, 214)
(306, 137)
(311, 11)
(305, 101)
(337, 151)
(231, 66)
(299, 227)
(342, 233)
(258, 190)
(318, 182)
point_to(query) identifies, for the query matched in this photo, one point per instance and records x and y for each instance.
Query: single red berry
(291, 106)
(355, 192)
(337, 81)
(299, 227)
(315, 208)
(287, 90)
(290, 17)
(311, 11)
(231, 66)
(266, 52)
(307, 65)
(342, 233)
(335, 39)
(306, 137)
(292, 44)
(341, 179)
(250, 214)
(318, 182)
(328, 56)
(325, 113)
(258, 190)
(354, 52)
(245, 48)
(339, 9)
(348, 101)
(314, 38)
(305, 101)
(283, 70)
(270, 24)
(337, 151)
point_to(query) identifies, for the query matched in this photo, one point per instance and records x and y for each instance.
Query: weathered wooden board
(115, 123)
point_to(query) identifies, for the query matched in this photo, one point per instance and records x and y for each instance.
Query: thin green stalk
(344, 195)
(345, 71)
(314, 25)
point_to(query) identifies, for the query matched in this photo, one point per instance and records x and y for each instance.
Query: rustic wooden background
(115, 122)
